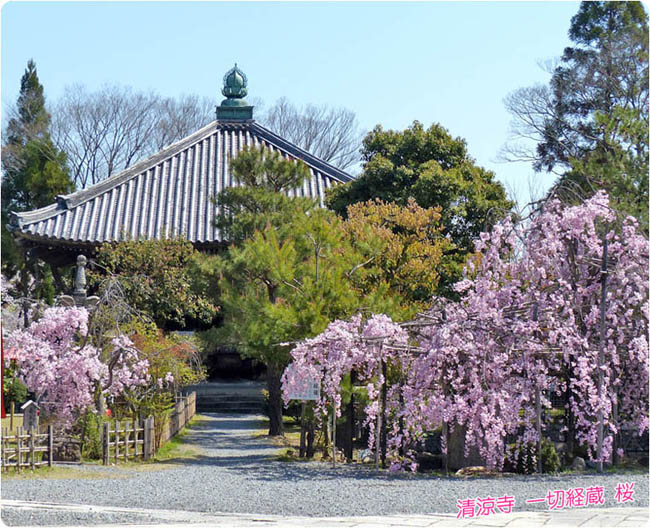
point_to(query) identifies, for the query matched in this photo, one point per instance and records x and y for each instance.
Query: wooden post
(445, 434)
(50, 444)
(135, 439)
(616, 424)
(31, 448)
(538, 407)
(538, 414)
(377, 440)
(601, 354)
(333, 434)
(117, 440)
(349, 427)
(301, 452)
(148, 437)
(105, 446)
(383, 415)
(126, 441)
(19, 434)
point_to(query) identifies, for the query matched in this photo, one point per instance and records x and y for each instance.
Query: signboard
(310, 391)
(30, 415)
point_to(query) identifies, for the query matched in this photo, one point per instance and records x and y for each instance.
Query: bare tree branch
(331, 134)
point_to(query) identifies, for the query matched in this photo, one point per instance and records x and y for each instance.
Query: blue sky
(391, 63)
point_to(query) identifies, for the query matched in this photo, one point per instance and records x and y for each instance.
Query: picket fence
(26, 449)
(130, 440)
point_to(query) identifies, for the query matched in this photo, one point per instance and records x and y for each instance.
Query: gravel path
(237, 473)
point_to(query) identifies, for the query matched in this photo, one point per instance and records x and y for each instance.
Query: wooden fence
(127, 440)
(26, 449)
(184, 410)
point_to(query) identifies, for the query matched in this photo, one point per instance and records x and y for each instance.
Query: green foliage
(550, 458)
(526, 461)
(620, 167)
(401, 248)
(13, 390)
(281, 281)
(34, 170)
(435, 169)
(157, 279)
(599, 124)
(285, 284)
(167, 355)
(296, 267)
(91, 425)
(263, 176)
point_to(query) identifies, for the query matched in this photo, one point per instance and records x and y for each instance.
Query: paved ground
(236, 474)
(596, 518)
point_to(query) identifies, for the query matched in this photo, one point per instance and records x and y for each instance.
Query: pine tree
(34, 171)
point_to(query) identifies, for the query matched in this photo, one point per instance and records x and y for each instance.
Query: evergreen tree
(279, 280)
(34, 171)
(601, 100)
(436, 170)
(591, 123)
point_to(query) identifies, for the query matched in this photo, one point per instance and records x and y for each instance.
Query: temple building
(168, 194)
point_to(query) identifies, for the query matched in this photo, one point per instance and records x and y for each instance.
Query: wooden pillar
(301, 452)
(148, 437)
(445, 434)
(126, 440)
(616, 424)
(377, 439)
(19, 434)
(135, 439)
(601, 354)
(117, 441)
(32, 453)
(50, 444)
(333, 434)
(349, 421)
(383, 415)
(538, 416)
(105, 446)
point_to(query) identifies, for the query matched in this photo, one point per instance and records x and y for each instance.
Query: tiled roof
(169, 193)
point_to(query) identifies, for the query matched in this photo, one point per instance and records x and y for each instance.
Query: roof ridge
(321, 164)
(76, 198)
(251, 128)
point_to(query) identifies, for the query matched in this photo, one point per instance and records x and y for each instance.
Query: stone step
(230, 409)
(216, 400)
(235, 398)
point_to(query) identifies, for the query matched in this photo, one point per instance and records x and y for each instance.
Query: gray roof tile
(169, 193)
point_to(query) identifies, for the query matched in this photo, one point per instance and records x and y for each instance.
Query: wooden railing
(127, 440)
(25, 449)
(184, 410)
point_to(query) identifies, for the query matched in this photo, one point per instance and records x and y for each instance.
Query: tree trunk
(348, 446)
(303, 431)
(311, 448)
(274, 384)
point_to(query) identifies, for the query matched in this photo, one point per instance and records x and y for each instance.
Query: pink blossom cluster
(65, 372)
(528, 325)
(530, 320)
(344, 347)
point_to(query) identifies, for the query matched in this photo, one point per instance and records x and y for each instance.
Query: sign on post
(31, 411)
(310, 390)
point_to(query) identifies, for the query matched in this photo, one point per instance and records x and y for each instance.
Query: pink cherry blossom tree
(60, 366)
(529, 325)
